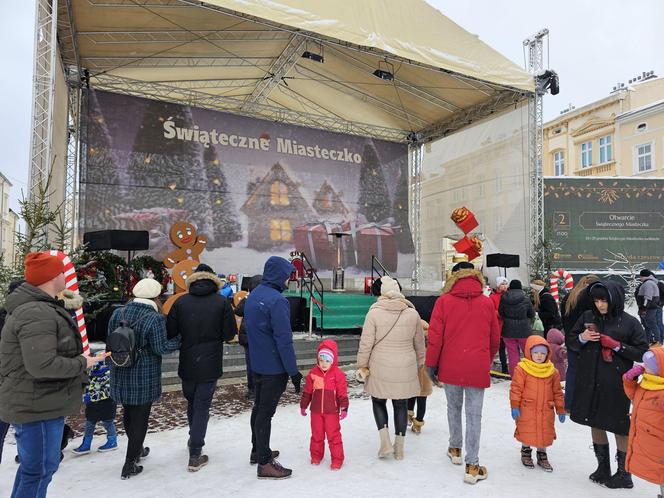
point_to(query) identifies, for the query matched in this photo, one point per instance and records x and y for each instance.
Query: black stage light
(383, 75)
(313, 57)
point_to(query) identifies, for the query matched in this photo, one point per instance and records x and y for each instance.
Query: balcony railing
(604, 169)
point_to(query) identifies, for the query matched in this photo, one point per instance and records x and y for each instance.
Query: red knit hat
(40, 267)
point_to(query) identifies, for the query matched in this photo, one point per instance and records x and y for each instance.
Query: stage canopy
(396, 70)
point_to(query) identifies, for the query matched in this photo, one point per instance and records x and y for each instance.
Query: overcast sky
(594, 45)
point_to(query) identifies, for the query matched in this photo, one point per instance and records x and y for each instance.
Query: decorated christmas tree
(374, 199)
(226, 228)
(400, 212)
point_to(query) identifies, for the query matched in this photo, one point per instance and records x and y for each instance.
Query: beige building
(8, 222)
(619, 135)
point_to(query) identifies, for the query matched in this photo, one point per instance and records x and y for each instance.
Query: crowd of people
(609, 361)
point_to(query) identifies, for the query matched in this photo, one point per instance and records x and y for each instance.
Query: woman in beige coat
(390, 353)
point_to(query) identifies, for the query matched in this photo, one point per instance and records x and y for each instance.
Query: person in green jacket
(42, 372)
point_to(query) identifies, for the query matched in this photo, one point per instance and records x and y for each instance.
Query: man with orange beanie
(42, 372)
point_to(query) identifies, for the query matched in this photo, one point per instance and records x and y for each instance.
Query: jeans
(4, 427)
(572, 357)
(268, 390)
(109, 426)
(400, 407)
(474, 400)
(199, 399)
(421, 407)
(513, 357)
(250, 373)
(39, 450)
(660, 323)
(135, 419)
(649, 322)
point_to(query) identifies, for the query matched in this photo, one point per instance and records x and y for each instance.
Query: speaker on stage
(121, 240)
(503, 260)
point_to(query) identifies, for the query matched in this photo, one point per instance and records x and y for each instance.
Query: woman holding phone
(608, 341)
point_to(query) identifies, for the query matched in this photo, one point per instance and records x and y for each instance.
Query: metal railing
(377, 267)
(314, 285)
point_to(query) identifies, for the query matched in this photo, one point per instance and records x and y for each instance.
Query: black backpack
(121, 343)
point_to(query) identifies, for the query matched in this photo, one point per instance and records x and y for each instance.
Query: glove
(343, 414)
(516, 413)
(297, 381)
(303, 412)
(432, 372)
(609, 342)
(561, 417)
(634, 372)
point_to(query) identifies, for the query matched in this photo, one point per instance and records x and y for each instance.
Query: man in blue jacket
(267, 320)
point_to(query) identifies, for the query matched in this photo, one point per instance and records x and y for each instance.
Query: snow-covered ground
(425, 471)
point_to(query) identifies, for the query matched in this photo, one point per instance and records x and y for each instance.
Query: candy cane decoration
(555, 278)
(71, 283)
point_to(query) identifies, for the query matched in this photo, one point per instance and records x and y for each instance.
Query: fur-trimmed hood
(462, 274)
(204, 275)
(71, 300)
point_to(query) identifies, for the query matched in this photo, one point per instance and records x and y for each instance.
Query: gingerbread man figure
(190, 245)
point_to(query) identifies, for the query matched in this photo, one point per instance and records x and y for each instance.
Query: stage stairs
(342, 310)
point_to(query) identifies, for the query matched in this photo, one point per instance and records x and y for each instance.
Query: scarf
(651, 382)
(539, 370)
(149, 302)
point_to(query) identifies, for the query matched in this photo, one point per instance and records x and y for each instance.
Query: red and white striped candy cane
(555, 278)
(71, 283)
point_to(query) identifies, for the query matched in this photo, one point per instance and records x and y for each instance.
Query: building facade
(619, 135)
(8, 222)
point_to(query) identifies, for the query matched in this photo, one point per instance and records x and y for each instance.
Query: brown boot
(527, 457)
(417, 426)
(273, 470)
(475, 473)
(543, 461)
(411, 416)
(455, 455)
(196, 463)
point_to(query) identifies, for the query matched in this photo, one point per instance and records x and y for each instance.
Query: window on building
(497, 222)
(641, 127)
(586, 154)
(605, 152)
(643, 157)
(280, 230)
(481, 186)
(559, 163)
(498, 184)
(279, 191)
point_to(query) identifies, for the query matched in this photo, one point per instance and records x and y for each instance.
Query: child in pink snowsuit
(326, 391)
(556, 341)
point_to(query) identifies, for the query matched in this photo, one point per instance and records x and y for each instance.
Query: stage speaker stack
(120, 240)
(502, 260)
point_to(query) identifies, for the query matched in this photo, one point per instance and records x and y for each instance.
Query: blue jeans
(109, 425)
(649, 322)
(660, 323)
(199, 399)
(39, 450)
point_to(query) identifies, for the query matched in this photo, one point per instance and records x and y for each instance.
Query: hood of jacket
(616, 294)
(332, 346)
(276, 272)
(392, 304)
(71, 300)
(536, 340)
(465, 283)
(202, 283)
(26, 293)
(555, 336)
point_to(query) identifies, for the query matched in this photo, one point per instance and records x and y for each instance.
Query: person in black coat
(204, 320)
(546, 306)
(516, 311)
(608, 341)
(243, 340)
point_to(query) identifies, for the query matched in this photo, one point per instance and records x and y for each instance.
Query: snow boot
(475, 473)
(543, 461)
(621, 479)
(253, 457)
(399, 442)
(84, 449)
(386, 448)
(111, 444)
(144, 452)
(130, 469)
(273, 470)
(196, 463)
(417, 426)
(411, 416)
(603, 472)
(455, 455)
(527, 457)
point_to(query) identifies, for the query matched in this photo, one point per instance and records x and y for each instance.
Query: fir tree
(224, 218)
(400, 212)
(374, 199)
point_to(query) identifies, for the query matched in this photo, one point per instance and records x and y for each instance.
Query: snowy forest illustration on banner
(253, 187)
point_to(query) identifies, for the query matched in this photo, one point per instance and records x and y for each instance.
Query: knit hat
(538, 285)
(326, 354)
(463, 265)
(645, 273)
(650, 362)
(205, 268)
(148, 288)
(390, 287)
(40, 267)
(500, 280)
(515, 284)
(540, 348)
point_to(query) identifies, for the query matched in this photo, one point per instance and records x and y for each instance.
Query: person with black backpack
(137, 340)
(203, 320)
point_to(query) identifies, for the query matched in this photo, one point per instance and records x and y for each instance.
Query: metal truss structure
(415, 199)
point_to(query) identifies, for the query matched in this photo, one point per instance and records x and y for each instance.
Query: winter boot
(144, 453)
(111, 444)
(386, 448)
(399, 442)
(543, 461)
(603, 472)
(417, 426)
(253, 457)
(130, 469)
(273, 470)
(455, 455)
(622, 478)
(411, 416)
(527, 457)
(475, 473)
(84, 449)
(196, 463)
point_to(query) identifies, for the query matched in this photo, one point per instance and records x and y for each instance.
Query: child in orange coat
(645, 450)
(535, 390)
(326, 391)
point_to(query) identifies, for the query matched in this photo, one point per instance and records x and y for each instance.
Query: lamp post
(338, 284)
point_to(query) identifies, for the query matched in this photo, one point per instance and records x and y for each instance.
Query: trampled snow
(425, 471)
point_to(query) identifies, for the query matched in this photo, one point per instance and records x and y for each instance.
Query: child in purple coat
(556, 341)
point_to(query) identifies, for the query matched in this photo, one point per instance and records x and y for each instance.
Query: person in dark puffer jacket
(242, 333)
(546, 306)
(516, 312)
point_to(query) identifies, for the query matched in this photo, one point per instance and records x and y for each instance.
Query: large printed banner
(601, 223)
(255, 188)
